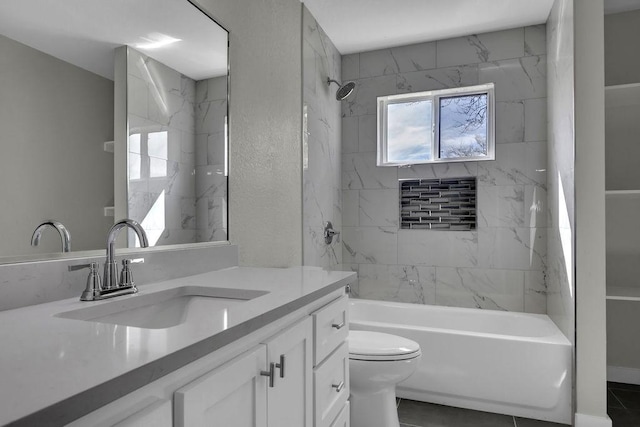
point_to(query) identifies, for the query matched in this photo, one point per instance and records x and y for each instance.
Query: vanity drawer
(343, 419)
(331, 383)
(330, 328)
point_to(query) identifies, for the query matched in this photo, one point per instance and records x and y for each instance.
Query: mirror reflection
(111, 110)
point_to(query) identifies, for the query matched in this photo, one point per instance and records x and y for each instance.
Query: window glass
(409, 131)
(463, 126)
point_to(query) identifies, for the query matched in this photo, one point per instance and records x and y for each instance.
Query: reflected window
(437, 126)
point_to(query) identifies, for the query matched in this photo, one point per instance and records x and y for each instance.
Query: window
(450, 125)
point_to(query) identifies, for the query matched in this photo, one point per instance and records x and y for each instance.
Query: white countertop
(46, 359)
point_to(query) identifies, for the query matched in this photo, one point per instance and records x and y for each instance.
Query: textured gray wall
(54, 119)
(265, 121)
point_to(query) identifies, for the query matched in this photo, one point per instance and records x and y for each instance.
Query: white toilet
(377, 362)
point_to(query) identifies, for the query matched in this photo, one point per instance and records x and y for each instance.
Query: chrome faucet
(65, 237)
(110, 265)
(109, 287)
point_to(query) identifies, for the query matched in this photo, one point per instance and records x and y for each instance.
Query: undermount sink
(163, 309)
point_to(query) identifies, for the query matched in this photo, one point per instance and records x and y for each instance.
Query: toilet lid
(367, 345)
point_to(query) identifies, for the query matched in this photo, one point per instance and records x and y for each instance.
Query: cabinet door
(233, 395)
(290, 400)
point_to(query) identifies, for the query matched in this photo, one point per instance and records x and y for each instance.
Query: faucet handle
(94, 284)
(126, 277)
(90, 266)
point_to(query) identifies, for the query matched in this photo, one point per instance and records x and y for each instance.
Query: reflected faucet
(110, 266)
(65, 237)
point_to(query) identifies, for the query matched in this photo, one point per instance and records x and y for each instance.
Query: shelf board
(623, 293)
(622, 95)
(622, 193)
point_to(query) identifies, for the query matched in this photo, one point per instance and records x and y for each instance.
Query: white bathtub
(510, 363)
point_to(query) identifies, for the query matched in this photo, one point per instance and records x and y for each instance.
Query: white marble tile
(517, 163)
(351, 66)
(367, 133)
(350, 134)
(512, 248)
(515, 79)
(481, 48)
(399, 283)
(480, 288)
(438, 248)
(403, 59)
(535, 40)
(215, 148)
(350, 208)
(377, 63)
(535, 170)
(535, 206)
(535, 119)
(359, 171)
(201, 150)
(318, 253)
(415, 57)
(217, 88)
(501, 206)
(370, 245)
(364, 99)
(309, 68)
(442, 170)
(137, 99)
(379, 208)
(535, 292)
(510, 121)
(440, 78)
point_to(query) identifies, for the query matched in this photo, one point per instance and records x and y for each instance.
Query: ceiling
(363, 25)
(86, 32)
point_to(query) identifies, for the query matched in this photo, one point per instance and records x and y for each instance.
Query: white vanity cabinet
(231, 386)
(270, 386)
(233, 395)
(331, 370)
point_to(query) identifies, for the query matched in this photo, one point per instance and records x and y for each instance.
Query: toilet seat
(378, 346)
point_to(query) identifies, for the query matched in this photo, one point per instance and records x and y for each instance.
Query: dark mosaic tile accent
(438, 204)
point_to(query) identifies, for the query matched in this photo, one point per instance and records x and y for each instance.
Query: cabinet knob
(338, 387)
(270, 373)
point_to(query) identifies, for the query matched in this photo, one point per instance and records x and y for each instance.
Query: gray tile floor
(623, 407)
(623, 404)
(420, 414)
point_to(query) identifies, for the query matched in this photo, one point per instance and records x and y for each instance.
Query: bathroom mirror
(111, 109)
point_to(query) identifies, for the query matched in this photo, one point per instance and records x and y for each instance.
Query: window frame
(435, 96)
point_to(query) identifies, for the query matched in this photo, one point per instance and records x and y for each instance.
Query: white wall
(54, 118)
(591, 392)
(265, 121)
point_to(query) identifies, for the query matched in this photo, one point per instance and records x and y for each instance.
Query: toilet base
(374, 409)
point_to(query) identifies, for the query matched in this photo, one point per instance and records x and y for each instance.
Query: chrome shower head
(344, 90)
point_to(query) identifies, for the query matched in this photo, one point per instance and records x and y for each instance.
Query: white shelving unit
(622, 106)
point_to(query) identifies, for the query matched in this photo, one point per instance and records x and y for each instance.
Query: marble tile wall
(560, 269)
(211, 181)
(502, 265)
(322, 191)
(161, 150)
